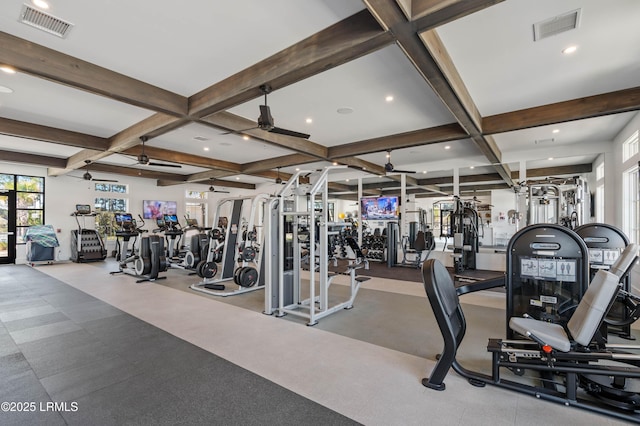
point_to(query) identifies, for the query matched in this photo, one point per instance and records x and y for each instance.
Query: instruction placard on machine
(548, 269)
(598, 256)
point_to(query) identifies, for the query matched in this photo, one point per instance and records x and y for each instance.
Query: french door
(7, 226)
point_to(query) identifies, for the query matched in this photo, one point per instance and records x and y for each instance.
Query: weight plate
(248, 254)
(199, 268)
(248, 277)
(236, 273)
(209, 270)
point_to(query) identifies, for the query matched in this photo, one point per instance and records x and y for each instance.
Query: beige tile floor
(368, 383)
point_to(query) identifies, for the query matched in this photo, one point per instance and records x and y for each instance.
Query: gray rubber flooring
(105, 367)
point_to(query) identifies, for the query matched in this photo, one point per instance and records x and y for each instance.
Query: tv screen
(170, 218)
(154, 209)
(379, 208)
(123, 218)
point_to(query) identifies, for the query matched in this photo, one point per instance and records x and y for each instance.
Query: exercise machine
(198, 244)
(605, 243)
(571, 365)
(564, 202)
(294, 229)
(238, 251)
(86, 244)
(463, 226)
(547, 273)
(148, 261)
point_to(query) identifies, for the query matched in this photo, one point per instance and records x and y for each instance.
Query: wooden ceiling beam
(40, 61)
(121, 141)
(22, 129)
(560, 112)
(363, 165)
(351, 38)
(428, 54)
(135, 172)
(235, 123)
(444, 133)
(23, 157)
(274, 163)
(183, 158)
(429, 14)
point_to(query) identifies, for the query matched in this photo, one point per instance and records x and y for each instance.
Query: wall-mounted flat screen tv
(154, 209)
(379, 208)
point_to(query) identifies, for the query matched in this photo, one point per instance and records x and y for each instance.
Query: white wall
(64, 192)
(613, 173)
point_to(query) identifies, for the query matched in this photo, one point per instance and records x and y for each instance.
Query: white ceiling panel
(39, 101)
(505, 70)
(162, 42)
(362, 85)
(30, 146)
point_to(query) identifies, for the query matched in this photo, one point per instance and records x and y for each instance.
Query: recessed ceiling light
(41, 4)
(472, 167)
(335, 163)
(245, 137)
(237, 177)
(556, 131)
(5, 89)
(389, 98)
(346, 180)
(550, 158)
(297, 169)
(206, 148)
(569, 50)
(345, 110)
(424, 172)
(309, 120)
(447, 147)
(7, 69)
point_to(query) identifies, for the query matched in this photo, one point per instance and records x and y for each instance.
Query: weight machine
(241, 257)
(149, 261)
(86, 244)
(198, 245)
(294, 229)
(463, 226)
(561, 201)
(605, 243)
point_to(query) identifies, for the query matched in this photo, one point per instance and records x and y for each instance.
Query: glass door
(7, 226)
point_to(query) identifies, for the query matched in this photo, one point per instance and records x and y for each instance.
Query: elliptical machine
(198, 245)
(149, 261)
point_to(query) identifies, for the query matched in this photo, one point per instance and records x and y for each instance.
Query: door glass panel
(29, 217)
(30, 184)
(4, 224)
(29, 200)
(6, 181)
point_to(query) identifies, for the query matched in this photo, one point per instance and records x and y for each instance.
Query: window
(630, 204)
(600, 203)
(29, 204)
(196, 207)
(600, 171)
(630, 147)
(106, 206)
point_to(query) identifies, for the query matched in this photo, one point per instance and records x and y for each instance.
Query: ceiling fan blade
(395, 171)
(221, 192)
(103, 180)
(238, 132)
(289, 133)
(164, 165)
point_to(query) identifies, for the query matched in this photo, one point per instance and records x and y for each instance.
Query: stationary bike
(149, 261)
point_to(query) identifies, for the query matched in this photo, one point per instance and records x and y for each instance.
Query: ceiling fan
(266, 122)
(278, 178)
(213, 189)
(88, 176)
(389, 167)
(144, 160)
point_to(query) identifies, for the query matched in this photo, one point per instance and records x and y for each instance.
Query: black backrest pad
(444, 300)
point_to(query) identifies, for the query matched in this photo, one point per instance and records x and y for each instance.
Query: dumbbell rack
(375, 246)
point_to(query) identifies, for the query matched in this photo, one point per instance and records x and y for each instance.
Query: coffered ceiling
(470, 88)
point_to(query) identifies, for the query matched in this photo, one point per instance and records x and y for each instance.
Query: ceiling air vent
(543, 141)
(556, 25)
(45, 22)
